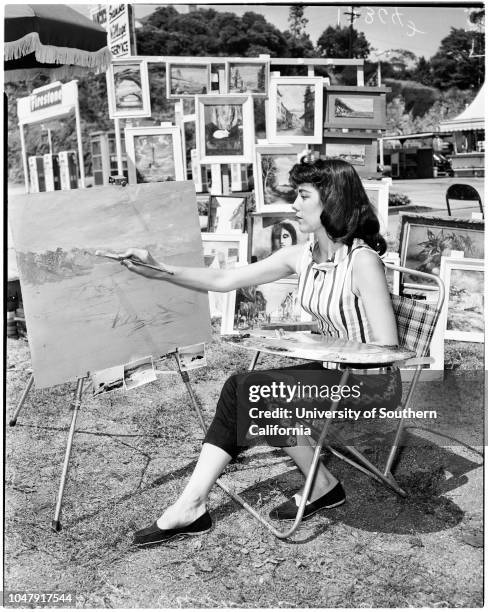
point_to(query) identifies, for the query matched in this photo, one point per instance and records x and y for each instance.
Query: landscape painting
(465, 308)
(87, 313)
(154, 154)
(226, 214)
(354, 107)
(355, 154)
(295, 110)
(248, 77)
(184, 80)
(273, 165)
(273, 303)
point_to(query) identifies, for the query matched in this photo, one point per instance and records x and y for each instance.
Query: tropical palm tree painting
(427, 244)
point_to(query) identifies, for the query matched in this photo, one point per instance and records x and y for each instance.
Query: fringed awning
(54, 40)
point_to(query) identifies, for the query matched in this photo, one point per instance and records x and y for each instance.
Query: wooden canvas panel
(85, 313)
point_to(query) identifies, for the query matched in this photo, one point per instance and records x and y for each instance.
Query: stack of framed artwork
(221, 107)
(454, 249)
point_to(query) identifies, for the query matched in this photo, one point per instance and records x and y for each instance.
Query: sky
(416, 28)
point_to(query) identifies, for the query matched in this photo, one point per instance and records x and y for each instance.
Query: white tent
(472, 118)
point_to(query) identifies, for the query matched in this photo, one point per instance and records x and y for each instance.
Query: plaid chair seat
(415, 322)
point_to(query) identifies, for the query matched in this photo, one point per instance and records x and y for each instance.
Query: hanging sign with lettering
(119, 23)
(48, 102)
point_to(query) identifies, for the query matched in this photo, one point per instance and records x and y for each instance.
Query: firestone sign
(44, 99)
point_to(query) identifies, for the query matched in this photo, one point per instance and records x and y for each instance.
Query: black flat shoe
(149, 536)
(288, 510)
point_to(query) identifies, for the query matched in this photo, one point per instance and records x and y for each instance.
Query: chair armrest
(416, 361)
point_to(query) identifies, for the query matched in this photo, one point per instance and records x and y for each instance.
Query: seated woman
(341, 283)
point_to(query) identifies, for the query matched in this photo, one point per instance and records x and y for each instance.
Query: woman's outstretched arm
(280, 264)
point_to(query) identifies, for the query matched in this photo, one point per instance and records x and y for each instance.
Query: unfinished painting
(85, 313)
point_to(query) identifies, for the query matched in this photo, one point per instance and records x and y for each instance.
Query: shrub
(398, 199)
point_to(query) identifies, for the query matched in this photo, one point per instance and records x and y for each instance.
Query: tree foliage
(334, 42)
(454, 65)
(208, 32)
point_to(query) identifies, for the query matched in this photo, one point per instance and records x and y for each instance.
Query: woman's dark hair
(347, 212)
(276, 233)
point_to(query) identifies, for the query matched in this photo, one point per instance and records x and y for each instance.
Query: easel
(76, 405)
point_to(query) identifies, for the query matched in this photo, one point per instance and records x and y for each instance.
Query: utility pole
(352, 14)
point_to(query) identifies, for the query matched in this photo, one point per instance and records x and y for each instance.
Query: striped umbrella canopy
(51, 39)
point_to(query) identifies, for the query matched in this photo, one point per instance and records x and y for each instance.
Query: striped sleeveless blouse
(325, 291)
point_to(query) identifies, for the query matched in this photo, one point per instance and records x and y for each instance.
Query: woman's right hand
(132, 256)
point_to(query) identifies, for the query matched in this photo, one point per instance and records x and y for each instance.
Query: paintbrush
(134, 261)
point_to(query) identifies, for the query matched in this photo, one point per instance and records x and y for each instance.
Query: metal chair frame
(360, 462)
(468, 193)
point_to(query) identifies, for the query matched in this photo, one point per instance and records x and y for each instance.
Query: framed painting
(154, 154)
(271, 168)
(87, 313)
(424, 240)
(128, 89)
(377, 192)
(227, 214)
(269, 233)
(225, 129)
(355, 107)
(270, 304)
(359, 151)
(295, 110)
(185, 80)
(249, 76)
(462, 316)
(223, 251)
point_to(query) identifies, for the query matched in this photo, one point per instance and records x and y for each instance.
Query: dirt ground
(134, 450)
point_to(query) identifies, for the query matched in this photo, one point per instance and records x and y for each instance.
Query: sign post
(52, 101)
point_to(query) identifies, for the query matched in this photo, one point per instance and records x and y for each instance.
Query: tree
(334, 42)
(422, 72)
(297, 21)
(453, 64)
(208, 32)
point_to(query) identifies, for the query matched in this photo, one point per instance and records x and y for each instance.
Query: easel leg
(196, 407)
(56, 525)
(13, 420)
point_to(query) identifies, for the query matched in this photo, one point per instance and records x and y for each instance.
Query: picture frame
(225, 129)
(248, 76)
(224, 251)
(424, 240)
(378, 192)
(154, 154)
(360, 152)
(462, 315)
(269, 305)
(355, 107)
(295, 110)
(272, 164)
(128, 89)
(185, 79)
(269, 233)
(227, 214)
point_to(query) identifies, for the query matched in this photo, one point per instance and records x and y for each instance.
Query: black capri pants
(232, 417)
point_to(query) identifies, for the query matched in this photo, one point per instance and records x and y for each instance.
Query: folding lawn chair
(461, 191)
(416, 321)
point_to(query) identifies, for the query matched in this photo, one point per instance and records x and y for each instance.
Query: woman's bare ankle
(180, 514)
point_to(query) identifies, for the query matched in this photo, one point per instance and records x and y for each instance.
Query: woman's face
(308, 208)
(286, 238)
